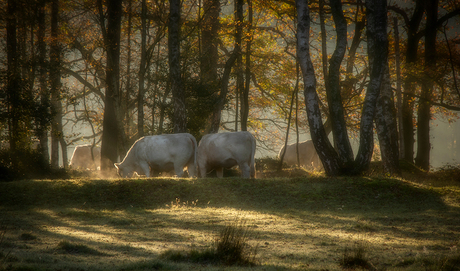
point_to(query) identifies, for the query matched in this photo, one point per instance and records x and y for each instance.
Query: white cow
(309, 159)
(225, 150)
(160, 153)
(82, 158)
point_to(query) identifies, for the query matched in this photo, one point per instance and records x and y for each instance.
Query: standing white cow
(308, 156)
(225, 150)
(82, 157)
(161, 153)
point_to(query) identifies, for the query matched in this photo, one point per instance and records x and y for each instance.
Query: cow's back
(226, 150)
(83, 158)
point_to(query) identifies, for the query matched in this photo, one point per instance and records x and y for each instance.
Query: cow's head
(121, 170)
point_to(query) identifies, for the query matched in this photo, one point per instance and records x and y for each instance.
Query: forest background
(74, 69)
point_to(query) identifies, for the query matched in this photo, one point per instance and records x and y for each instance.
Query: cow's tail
(253, 154)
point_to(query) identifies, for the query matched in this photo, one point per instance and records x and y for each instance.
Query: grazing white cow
(309, 159)
(82, 158)
(160, 153)
(225, 150)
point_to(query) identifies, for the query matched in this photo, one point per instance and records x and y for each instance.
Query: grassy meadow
(308, 222)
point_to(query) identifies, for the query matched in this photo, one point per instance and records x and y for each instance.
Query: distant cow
(307, 155)
(225, 150)
(160, 153)
(82, 158)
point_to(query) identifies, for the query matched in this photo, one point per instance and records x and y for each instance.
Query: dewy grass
(300, 222)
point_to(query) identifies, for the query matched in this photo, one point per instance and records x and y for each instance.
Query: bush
(26, 164)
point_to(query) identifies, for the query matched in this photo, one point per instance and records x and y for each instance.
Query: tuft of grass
(181, 204)
(70, 248)
(356, 257)
(230, 248)
(232, 245)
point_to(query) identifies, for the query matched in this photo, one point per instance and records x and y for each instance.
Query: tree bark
(409, 83)
(386, 125)
(424, 109)
(398, 89)
(334, 97)
(376, 13)
(57, 136)
(42, 119)
(323, 146)
(142, 70)
(245, 94)
(180, 113)
(111, 129)
(13, 79)
(209, 38)
(239, 59)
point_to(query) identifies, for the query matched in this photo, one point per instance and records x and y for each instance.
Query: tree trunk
(239, 59)
(13, 79)
(376, 13)
(209, 38)
(334, 97)
(111, 129)
(387, 130)
(42, 123)
(180, 113)
(424, 109)
(245, 94)
(217, 112)
(409, 83)
(142, 70)
(323, 146)
(55, 86)
(398, 89)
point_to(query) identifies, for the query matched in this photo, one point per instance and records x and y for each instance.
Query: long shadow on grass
(388, 206)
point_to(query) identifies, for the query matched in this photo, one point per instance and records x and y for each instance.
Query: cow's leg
(191, 169)
(253, 171)
(245, 170)
(220, 172)
(202, 169)
(145, 167)
(179, 170)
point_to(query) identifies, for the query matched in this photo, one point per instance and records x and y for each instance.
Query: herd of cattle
(175, 152)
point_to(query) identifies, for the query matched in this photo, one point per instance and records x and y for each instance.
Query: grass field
(300, 223)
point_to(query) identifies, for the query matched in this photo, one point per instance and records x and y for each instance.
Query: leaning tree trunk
(334, 97)
(376, 13)
(180, 113)
(323, 146)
